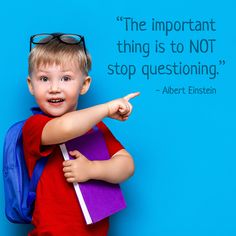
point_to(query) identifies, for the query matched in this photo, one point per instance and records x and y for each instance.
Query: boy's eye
(44, 78)
(65, 78)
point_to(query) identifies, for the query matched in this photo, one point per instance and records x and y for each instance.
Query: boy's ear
(30, 86)
(86, 85)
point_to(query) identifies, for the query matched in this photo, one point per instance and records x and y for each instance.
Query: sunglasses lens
(71, 38)
(42, 38)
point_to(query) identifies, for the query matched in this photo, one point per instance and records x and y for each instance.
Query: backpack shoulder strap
(38, 169)
(36, 110)
(37, 172)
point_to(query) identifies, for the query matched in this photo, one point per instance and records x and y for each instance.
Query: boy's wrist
(106, 105)
(95, 170)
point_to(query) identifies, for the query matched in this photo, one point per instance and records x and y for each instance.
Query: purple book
(98, 199)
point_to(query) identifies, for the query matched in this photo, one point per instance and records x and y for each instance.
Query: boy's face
(57, 88)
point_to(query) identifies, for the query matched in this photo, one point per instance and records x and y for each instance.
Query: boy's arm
(72, 124)
(76, 123)
(115, 170)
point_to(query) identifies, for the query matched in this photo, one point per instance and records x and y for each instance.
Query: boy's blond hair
(59, 53)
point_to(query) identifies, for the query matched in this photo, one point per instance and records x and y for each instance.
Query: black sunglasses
(44, 38)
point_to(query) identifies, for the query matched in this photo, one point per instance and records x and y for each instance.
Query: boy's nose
(54, 88)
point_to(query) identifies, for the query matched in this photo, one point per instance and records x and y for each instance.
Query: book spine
(77, 189)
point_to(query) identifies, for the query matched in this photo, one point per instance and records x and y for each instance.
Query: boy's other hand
(79, 169)
(120, 109)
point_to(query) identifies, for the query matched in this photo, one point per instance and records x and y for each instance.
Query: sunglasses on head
(71, 39)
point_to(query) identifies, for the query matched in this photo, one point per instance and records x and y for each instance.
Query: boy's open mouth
(56, 100)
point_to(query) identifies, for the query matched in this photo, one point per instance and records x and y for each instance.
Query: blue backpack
(19, 188)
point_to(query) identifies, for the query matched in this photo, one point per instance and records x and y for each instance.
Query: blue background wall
(183, 145)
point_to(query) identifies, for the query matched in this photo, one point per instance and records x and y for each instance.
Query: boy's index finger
(131, 95)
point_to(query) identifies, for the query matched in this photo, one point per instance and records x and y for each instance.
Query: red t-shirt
(57, 210)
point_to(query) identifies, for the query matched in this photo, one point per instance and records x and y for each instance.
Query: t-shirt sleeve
(113, 145)
(32, 132)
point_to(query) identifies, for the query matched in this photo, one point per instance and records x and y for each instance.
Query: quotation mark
(119, 18)
(222, 62)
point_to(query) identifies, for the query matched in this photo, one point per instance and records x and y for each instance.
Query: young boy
(58, 75)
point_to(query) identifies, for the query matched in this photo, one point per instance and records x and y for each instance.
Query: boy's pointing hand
(120, 109)
(131, 95)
